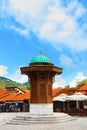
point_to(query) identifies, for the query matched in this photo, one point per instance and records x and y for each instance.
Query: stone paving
(80, 123)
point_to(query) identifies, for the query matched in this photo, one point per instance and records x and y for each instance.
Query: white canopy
(78, 96)
(62, 97)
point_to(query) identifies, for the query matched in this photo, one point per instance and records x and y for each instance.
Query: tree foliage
(67, 86)
(82, 83)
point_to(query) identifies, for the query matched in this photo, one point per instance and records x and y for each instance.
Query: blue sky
(58, 27)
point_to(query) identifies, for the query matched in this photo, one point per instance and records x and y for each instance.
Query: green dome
(40, 59)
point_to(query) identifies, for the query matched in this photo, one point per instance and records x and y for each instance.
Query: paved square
(80, 123)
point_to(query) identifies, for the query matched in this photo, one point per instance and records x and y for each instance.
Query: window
(42, 90)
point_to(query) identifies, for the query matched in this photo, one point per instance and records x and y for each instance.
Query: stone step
(39, 118)
(36, 122)
(26, 120)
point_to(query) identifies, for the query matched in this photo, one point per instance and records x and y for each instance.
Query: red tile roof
(6, 95)
(56, 92)
(83, 88)
(18, 95)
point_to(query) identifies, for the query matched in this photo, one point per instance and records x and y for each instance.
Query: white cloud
(51, 21)
(59, 82)
(80, 76)
(67, 61)
(3, 70)
(18, 77)
(19, 30)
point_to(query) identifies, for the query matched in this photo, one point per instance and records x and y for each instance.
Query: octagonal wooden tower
(41, 72)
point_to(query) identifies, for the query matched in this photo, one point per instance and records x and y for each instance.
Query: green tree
(67, 86)
(82, 83)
